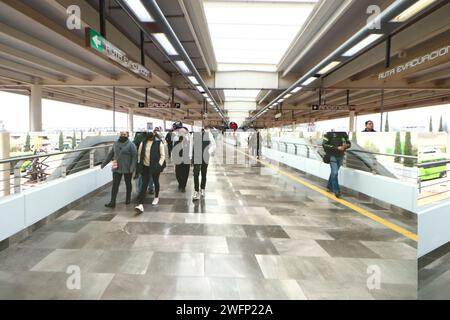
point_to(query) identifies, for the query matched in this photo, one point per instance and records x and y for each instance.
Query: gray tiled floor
(257, 235)
(434, 275)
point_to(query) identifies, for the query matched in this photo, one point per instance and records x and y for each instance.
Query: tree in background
(27, 146)
(61, 141)
(441, 124)
(74, 141)
(431, 124)
(408, 162)
(398, 147)
(386, 127)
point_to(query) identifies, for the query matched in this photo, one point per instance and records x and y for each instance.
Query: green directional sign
(96, 41)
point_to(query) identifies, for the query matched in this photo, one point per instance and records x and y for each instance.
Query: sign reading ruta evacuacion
(95, 41)
(329, 107)
(415, 62)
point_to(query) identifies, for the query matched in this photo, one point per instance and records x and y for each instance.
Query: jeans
(147, 174)
(203, 168)
(117, 177)
(333, 182)
(151, 186)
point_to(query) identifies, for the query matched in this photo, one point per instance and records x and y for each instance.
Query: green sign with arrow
(96, 41)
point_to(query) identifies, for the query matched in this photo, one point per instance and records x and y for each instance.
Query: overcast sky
(14, 114)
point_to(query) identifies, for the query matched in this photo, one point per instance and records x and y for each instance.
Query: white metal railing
(20, 173)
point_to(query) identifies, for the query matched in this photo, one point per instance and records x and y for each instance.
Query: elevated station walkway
(258, 234)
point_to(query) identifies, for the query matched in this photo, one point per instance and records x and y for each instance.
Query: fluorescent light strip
(182, 65)
(139, 10)
(200, 89)
(193, 80)
(309, 81)
(165, 43)
(205, 95)
(413, 10)
(296, 90)
(329, 67)
(288, 96)
(362, 44)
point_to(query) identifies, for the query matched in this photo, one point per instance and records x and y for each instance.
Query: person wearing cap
(180, 155)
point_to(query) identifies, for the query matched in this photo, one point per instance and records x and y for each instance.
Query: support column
(352, 124)
(4, 168)
(164, 125)
(130, 120)
(36, 108)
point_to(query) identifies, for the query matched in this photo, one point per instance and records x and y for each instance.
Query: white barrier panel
(21, 211)
(434, 227)
(398, 193)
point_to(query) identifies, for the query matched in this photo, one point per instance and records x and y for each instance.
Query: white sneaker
(139, 209)
(196, 195)
(155, 202)
(203, 193)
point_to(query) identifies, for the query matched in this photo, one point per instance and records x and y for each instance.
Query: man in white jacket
(200, 151)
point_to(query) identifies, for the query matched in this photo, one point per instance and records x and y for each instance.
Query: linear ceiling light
(139, 10)
(183, 67)
(296, 90)
(193, 80)
(309, 81)
(165, 43)
(362, 44)
(413, 10)
(329, 67)
(200, 89)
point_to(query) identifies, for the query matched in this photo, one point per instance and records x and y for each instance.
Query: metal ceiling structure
(36, 47)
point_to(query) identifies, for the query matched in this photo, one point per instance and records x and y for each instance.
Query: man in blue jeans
(335, 145)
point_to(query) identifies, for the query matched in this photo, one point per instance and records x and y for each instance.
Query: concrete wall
(20, 211)
(392, 191)
(434, 227)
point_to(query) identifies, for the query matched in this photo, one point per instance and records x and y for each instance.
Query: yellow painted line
(349, 205)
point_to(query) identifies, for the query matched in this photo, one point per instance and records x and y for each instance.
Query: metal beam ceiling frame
(386, 17)
(158, 15)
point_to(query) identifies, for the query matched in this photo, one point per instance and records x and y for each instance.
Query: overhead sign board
(414, 63)
(158, 105)
(95, 41)
(330, 107)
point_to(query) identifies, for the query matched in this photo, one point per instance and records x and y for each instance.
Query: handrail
(425, 164)
(9, 160)
(350, 150)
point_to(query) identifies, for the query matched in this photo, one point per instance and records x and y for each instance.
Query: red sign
(233, 126)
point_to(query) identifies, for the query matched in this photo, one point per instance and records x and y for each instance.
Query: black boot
(110, 205)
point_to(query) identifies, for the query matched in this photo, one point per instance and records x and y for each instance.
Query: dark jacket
(155, 157)
(200, 144)
(333, 140)
(125, 154)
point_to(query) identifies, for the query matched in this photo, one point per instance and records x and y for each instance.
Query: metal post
(102, 11)
(4, 168)
(114, 109)
(142, 48)
(17, 179)
(388, 52)
(91, 158)
(63, 169)
(382, 110)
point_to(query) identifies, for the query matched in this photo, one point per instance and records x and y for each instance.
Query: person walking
(180, 155)
(200, 151)
(138, 139)
(123, 157)
(335, 145)
(169, 141)
(151, 163)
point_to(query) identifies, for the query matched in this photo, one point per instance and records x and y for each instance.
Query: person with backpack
(335, 144)
(152, 161)
(201, 148)
(123, 157)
